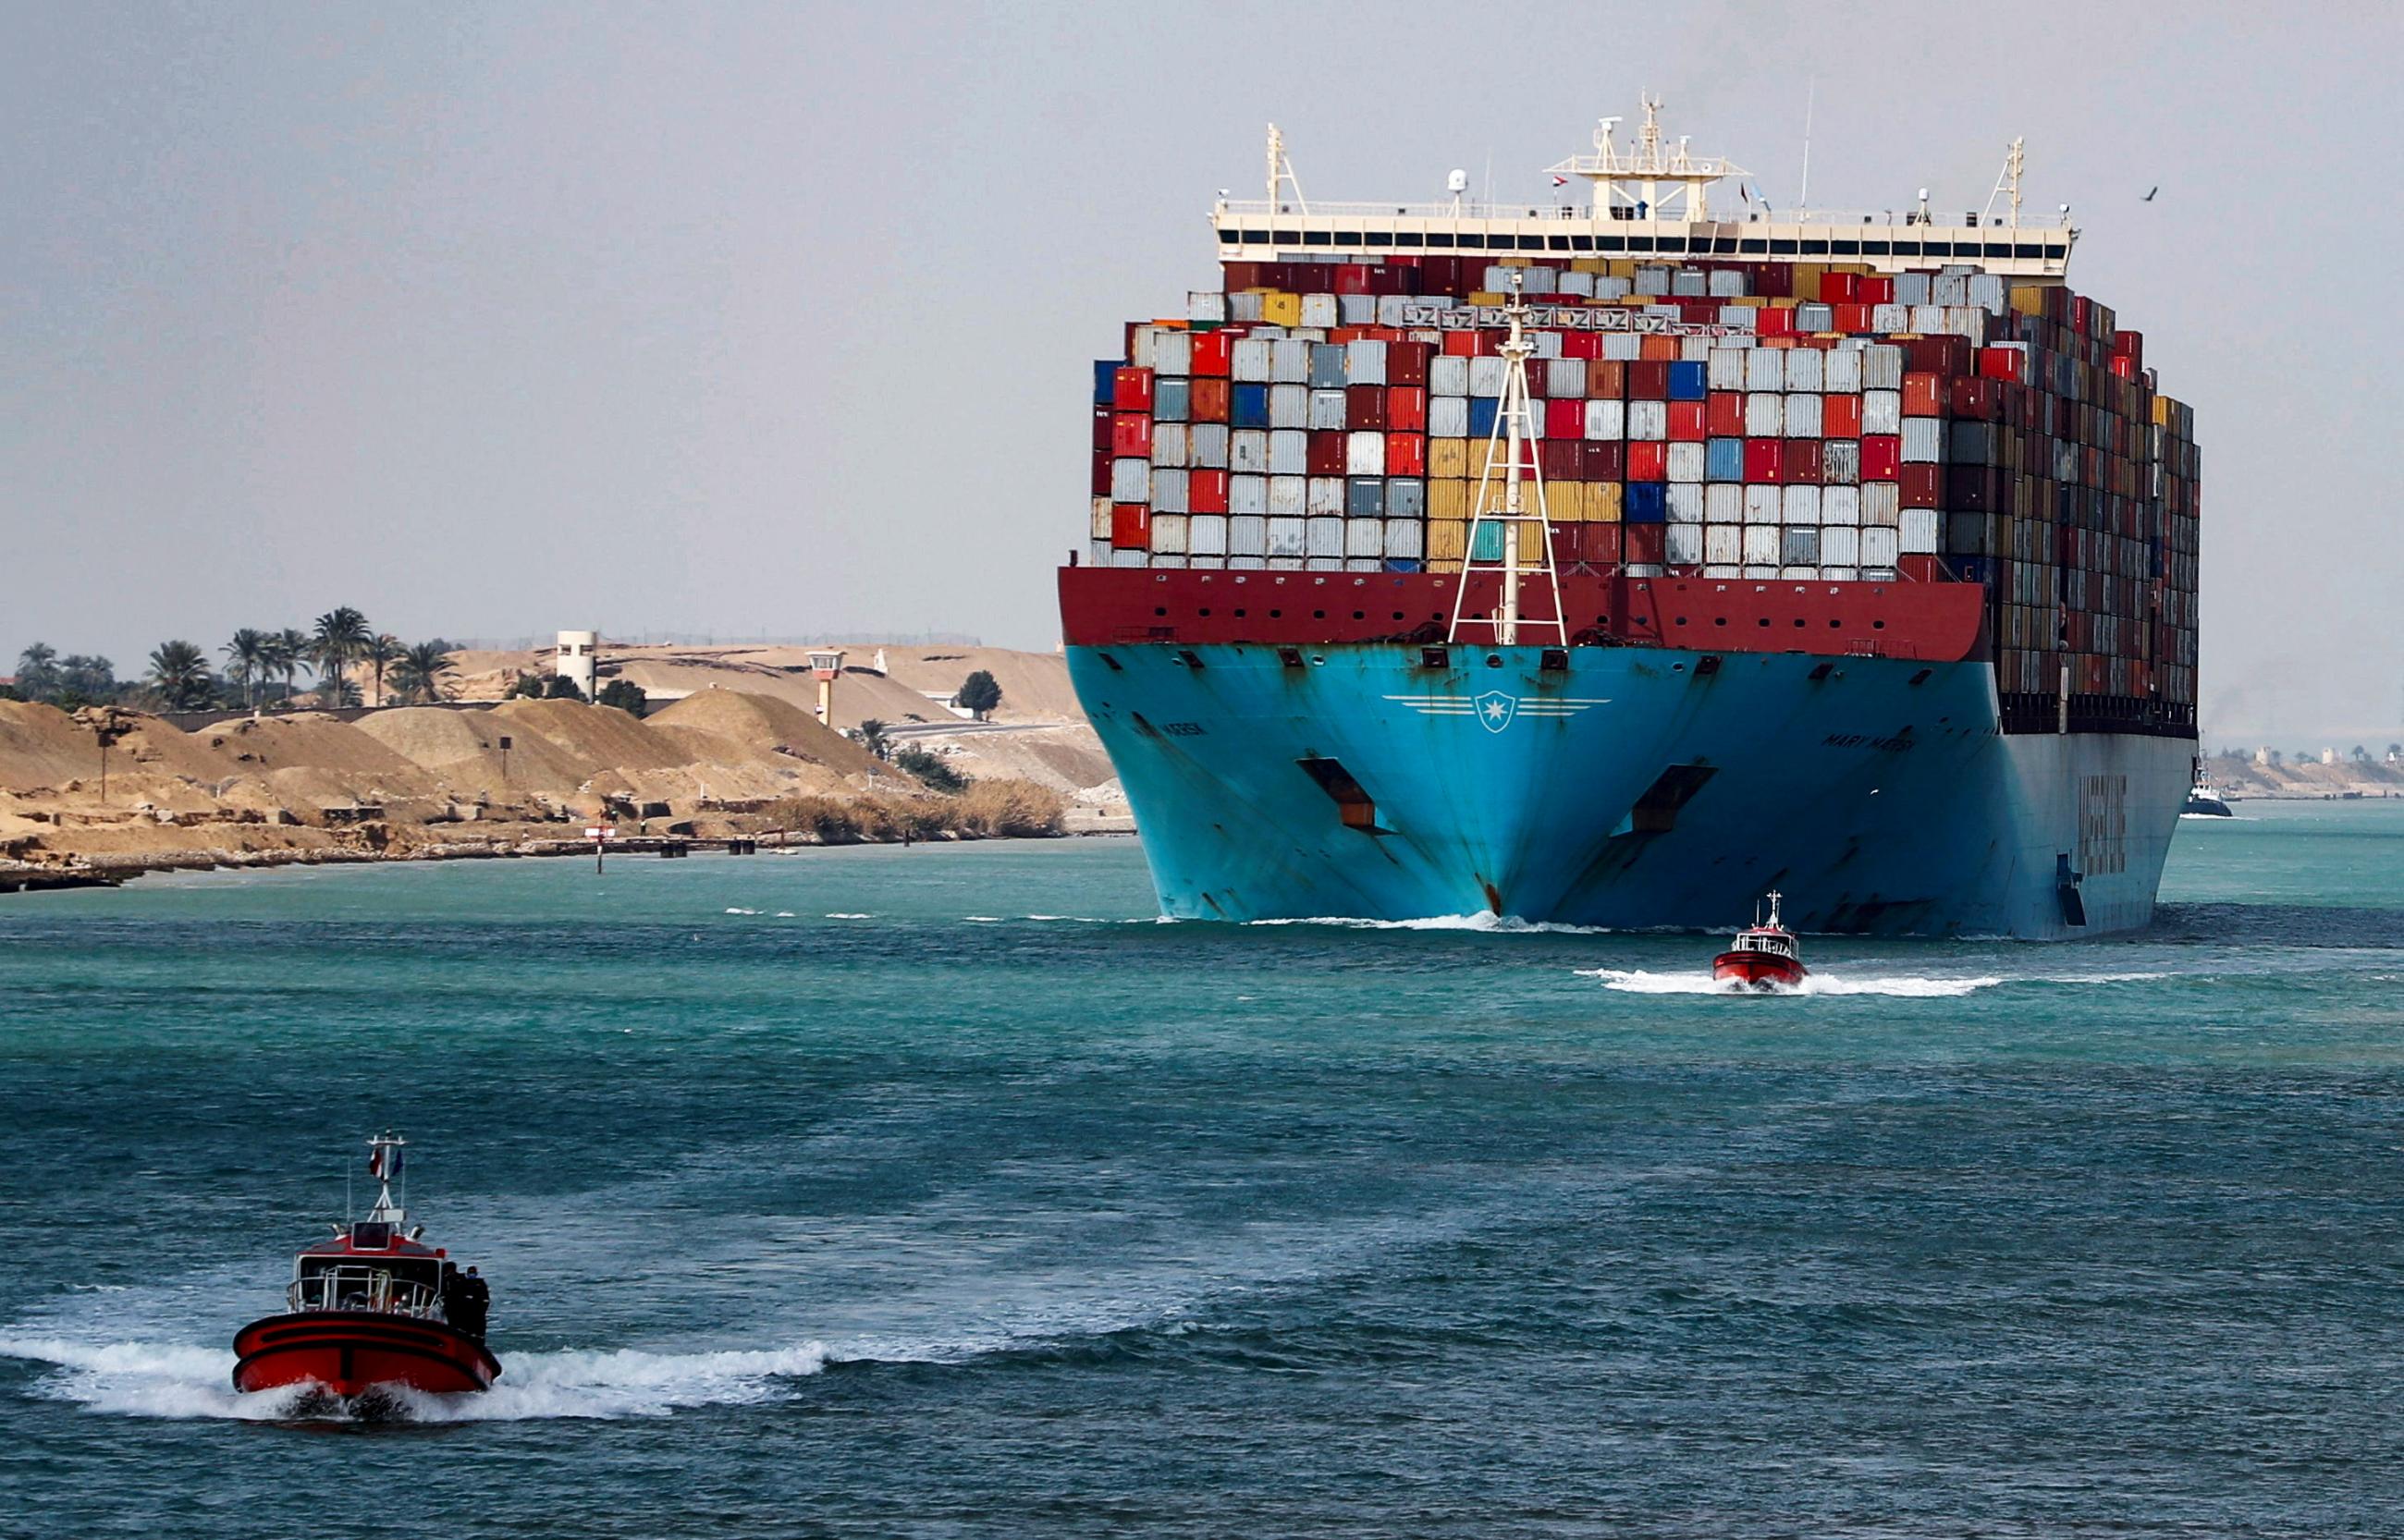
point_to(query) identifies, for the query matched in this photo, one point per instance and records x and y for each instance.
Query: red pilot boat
(1763, 956)
(371, 1309)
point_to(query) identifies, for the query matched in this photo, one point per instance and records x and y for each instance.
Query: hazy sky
(777, 318)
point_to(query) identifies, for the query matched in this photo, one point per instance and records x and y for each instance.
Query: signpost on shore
(600, 834)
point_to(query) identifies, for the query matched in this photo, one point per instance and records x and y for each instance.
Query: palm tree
(874, 737)
(180, 672)
(248, 663)
(291, 648)
(38, 671)
(340, 638)
(420, 670)
(380, 651)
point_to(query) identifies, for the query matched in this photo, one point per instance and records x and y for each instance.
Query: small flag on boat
(1561, 181)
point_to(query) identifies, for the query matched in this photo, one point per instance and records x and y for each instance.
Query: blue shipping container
(1645, 502)
(1364, 497)
(1689, 380)
(1401, 563)
(1170, 400)
(1248, 406)
(1327, 366)
(1723, 460)
(1482, 411)
(1106, 380)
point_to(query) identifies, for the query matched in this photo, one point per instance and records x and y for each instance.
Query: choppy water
(938, 1191)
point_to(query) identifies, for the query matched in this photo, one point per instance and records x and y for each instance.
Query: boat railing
(364, 1288)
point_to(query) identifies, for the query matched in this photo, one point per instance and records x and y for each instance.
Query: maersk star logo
(1496, 710)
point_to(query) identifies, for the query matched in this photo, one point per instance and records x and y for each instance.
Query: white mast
(1510, 449)
(385, 1162)
(1281, 172)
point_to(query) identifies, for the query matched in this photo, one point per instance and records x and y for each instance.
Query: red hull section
(1937, 623)
(1757, 969)
(348, 1352)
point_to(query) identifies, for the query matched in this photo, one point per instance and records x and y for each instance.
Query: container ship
(1614, 561)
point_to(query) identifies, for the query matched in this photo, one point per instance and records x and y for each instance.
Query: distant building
(2266, 755)
(578, 659)
(2329, 757)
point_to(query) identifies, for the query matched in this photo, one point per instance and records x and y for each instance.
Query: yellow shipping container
(1280, 308)
(1589, 264)
(1602, 502)
(1447, 539)
(1488, 296)
(1746, 302)
(1512, 262)
(1623, 267)
(1807, 280)
(1565, 502)
(2028, 299)
(1449, 499)
(1447, 458)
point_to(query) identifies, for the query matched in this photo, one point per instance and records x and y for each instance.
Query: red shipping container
(1460, 344)
(1563, 459)
(1364, 406)
(1881, 456)
(1131, 389)
(1698, 313)
(1643, 542)
(1131, 526)
(1839, 288)
(1765, 458)
(1325, 452)
(1406, 363)
(1351, 278)
(1582, 344)
(1103, 417)
(1565, 418)
(1855, 318)
(1920, 395)
(1724, 413)
(1131, 433)
(1244, 275)
(1840, 416)
(1688, 422)
(1606, 460)
(1536, 383)
(2001, 362)
(1606, 379)
(1923, 486)
(1212, 351)
(1774, 321)
(1101, 474)
(1656, 350)
(2129, 345)
(1206, 490)
(1405, 455)
(1801, 459)
(1944, 355)
(1648, 460)
(1874, 289)
(1648, 380)
(1771, 279)
(1918, 569)
(1406, 410)
(1208, 400)
(1981, 400)
(1599, 544)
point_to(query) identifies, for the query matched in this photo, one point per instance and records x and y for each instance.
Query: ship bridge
(1651, 199)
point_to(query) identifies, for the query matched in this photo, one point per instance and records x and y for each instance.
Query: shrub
(930, 770)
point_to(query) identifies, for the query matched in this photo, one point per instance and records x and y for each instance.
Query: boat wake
(1639, 981)
(1490, 925)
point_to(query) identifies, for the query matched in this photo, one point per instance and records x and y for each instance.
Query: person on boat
(450, 1291)
(475, 1305)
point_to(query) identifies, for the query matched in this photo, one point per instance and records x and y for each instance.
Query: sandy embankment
(430, 783)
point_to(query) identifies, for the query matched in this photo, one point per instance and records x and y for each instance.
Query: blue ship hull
(1637, 788)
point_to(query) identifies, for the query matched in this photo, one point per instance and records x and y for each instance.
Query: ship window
(1277, 615)
(1995, 248)
(1581, 242)
(2029, 254)
(1724, 245)
(1673, 242)
(1531, 243)
(1907, 248)
(1256, 238)
(1352, 803)
(1439, 238)
(1348, 238)
(1874, 248)
(1558, 242)
(1239, 611)
(1781, 248)
(1378, 238)
(1878, 625)
(1754, 245)
(1611, 242)
(1844, 248)
(1318, 238)
(1939, 248)
(1404, 238)
(1719, 620)
(1319, 615)
(1815, 248)
(1639, 243)
(1160, 609)
(1470, 240)
(1289, 237)
(1360, 614)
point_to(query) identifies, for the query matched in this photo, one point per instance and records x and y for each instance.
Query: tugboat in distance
(1763, 957)
(2204, 800)
(372, 1310)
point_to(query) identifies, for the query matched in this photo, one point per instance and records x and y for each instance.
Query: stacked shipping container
(1733, 420)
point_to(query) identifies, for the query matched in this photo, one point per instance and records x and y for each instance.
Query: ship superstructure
(1613, 561)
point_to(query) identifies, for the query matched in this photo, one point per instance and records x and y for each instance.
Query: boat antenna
(1775, 923)
(388, 1162)
(1810, 100)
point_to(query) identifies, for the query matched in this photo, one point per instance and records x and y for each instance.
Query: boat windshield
(397, 1286)
(1756, 941)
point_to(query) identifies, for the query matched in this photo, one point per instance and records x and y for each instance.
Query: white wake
(1487, 923)
(1639, 981)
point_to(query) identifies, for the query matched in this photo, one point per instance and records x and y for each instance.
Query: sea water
(942, 1190)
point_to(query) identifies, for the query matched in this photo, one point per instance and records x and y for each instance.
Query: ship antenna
(2007, 181)
(1281, 173)
(387, 1163)
(1775, 924)
(1810, 100)
(1510, 449)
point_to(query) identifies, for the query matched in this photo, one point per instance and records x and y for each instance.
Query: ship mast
(1510, 449)
(387, 1162)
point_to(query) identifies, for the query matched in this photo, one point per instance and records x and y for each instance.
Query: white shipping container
(1579, 284)
(1841, 461)
(1364, 537)
(1890, 318)
(1357, 310)
(1682, 545)
(1882, 365)
(1364, 563)
(1882, 412)
(1206, 563)
(1289, 407)
(1324, 537)
(1167, 492)
(1289, 452)
(1695, 350)
(1926, 319)
(1755, 570)
(1799, 506)
(1878, 547)
(1364, 455)
(1324, 563)
(1320, 310)
(1139, 347)
(1611, 288)
(1840, 504)
(1249, 362)
(1172, 353)
(1684, 499)
(1950, 288)
(1404, 539)
(1284, 564)
(1686, 464)
(1327, 410)
(1603, 420)
(1168, 534)
(1486, 376)
(1210, 441)
(1364, 362)
(1722, 569)
(1244, 306)
(1689, 283)
(1882, 503)
(1565, 380)
(1099, 553)
(1205, 534)
(1326, 498)
(1765, 415)
(1622, 346)
(1285, 537)
(1913, 288)
(1921, 531)
(1392, 307)
(1130, 557)
(1245, 563)
(1765, 370)
(1248, 451)
(1800, 572)
(1761, 543)
(1290, 361)
(1248, 535)
(1448, 375)
(1648, 420)
(1247, 494)
(1799, 545)
(1841, 546)
(1288, 497)
(1761, 505)
(1448, 415)
(1802, 414)
(1130, 480)
(1726, 283)
(1723, 504)
(1841, 372)
(1169, 445)
(1725, 369)
(1923, 440)
(1724, 543)
(1099, 520)
(1805, 368)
